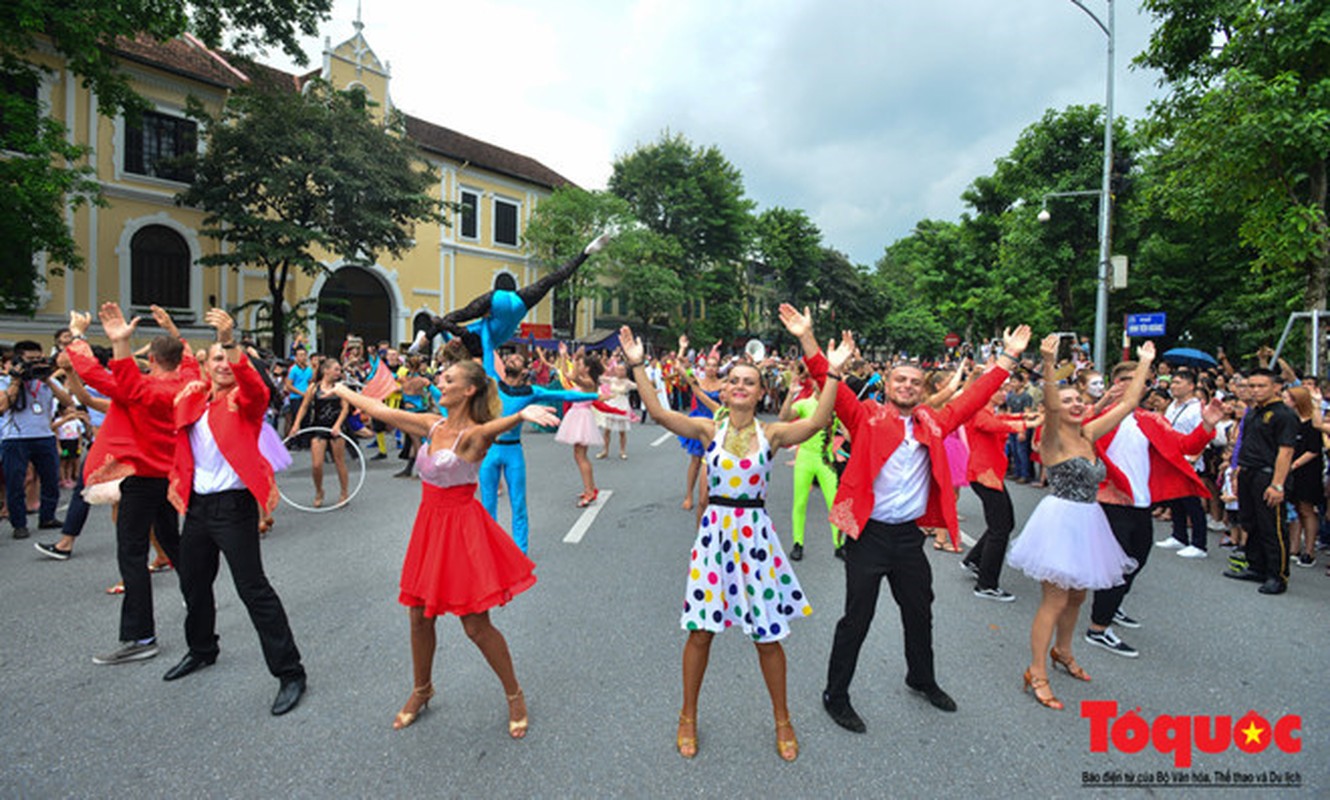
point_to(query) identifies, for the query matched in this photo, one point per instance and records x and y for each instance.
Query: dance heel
(517, 727)
(405, 718)
(1069, 664)
(587, 498)
(1034, 684)
(687, 745)
(787, 749)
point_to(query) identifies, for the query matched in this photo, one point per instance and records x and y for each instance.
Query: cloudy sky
(869, 115)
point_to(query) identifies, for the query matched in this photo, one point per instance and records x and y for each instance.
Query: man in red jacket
(1147, 463)
(896, 480)
(136, 443)
(220, 481)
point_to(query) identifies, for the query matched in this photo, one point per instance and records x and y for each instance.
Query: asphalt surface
(597, 648)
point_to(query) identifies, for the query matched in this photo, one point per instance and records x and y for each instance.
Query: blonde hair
(1302, 400)
(485, 404)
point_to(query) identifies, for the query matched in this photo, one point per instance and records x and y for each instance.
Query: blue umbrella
(1189, 357)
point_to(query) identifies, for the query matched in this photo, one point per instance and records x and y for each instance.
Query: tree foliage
(286, 174)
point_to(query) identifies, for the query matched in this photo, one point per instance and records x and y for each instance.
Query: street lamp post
(1105, 196)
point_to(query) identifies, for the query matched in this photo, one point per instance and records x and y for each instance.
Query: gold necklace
(738, 441)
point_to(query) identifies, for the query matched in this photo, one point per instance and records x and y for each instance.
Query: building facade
(142, 248)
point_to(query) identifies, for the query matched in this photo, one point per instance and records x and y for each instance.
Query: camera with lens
(38, 370)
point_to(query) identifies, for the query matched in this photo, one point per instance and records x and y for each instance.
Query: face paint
(1095, 387)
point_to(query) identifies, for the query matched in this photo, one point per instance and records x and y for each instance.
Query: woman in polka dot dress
(738, 574)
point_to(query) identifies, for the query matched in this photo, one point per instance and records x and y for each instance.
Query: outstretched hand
(632, 347)
(840, 355)
(1048, 348)
(796, 323)
(1213, 412)
(1014, 342)
(598, 243)
(222, 322)
(113, 322)
(164, 321)
(1146, 352)
(543, 416)
(79, 322)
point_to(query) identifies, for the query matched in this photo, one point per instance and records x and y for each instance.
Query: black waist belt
(500, 441)
(737, 502)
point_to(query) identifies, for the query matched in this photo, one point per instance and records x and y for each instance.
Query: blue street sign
(1146, 325)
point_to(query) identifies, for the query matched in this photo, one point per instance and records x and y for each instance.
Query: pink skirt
(958, 456)
(579, 426)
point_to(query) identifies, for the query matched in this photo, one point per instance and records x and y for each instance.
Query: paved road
(597, 648)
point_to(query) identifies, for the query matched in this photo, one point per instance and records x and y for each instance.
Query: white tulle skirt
(1070, 544)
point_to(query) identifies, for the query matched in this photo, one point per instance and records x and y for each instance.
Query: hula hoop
(359, 483)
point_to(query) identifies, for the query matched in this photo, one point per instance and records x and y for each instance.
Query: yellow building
(142, 248)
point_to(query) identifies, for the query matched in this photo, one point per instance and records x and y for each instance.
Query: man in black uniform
(1268, 434)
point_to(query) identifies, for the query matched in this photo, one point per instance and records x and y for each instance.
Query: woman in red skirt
(459, 561)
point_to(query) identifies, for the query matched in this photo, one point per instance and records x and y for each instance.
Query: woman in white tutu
(1066, 544)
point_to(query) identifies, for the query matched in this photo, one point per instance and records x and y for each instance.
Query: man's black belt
(737, 502)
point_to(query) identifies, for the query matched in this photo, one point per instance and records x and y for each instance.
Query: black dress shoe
(51, 525)
(797, 553)
(288, 695)
(842, 713)
(938, 698)
(1245, 575)
(840, 552)
(190, 663)
(1273, 586)
(20, 533)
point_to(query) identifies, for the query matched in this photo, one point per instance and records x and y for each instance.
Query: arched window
(159, 268)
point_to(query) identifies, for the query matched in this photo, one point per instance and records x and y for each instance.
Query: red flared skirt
(459, 560)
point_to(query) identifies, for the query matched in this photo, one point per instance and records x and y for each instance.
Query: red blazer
(876, 431)
(235, 419)
(1171, 474)
(138, 436)
(988, 432)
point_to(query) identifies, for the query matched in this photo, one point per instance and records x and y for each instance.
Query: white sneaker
(1192, 552)
(1216, 526)
(1170, 544)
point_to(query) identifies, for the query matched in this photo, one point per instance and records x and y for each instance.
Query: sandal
(587, 498)
(517, 727)
(119, 588)
(1069, 664)
(687, 745)
(163, 565)
(404, 718)
(787, 749)
(1034, 684)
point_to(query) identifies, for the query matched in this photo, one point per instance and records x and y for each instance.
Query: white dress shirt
(900, 490)
(212, 472)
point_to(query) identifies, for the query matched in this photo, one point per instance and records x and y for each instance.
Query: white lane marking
(968, 540)
(664, 437)
(580, 527)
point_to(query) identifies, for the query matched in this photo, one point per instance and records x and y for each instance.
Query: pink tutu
(579, 426)
(958, 456)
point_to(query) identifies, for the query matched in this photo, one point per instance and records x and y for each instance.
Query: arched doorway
(353, 300)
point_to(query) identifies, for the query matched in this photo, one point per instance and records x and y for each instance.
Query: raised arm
(800, 327)
(688, 427)
(1131, 398)
(406, 421)
(782, 434)
(477, 440)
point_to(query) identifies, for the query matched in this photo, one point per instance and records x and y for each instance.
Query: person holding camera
(28, 397)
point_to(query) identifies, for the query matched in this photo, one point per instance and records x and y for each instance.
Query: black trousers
(999, 520)
(227, 523)
(894, 552)
(1267, 548)
(144, 510)
(1134, 528)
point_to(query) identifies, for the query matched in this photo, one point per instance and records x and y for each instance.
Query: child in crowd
(69, 425)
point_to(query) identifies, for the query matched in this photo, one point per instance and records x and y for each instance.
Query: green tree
(640, 262)
(560, 228)
(1247, 121)
(790, 247)
(696, 197)
(50, 173)
(288, 172)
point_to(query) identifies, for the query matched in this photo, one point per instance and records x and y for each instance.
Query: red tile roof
(190, 58)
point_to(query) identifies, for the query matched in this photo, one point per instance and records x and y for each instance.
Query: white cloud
(868, 115)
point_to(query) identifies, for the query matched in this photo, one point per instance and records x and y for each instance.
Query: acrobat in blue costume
(497, 315)
(505, 457)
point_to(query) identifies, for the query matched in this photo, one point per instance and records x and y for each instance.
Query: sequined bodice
(444, 468)
(1076, 479)
(734, 476)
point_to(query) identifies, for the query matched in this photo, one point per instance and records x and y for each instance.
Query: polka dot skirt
(738, 574)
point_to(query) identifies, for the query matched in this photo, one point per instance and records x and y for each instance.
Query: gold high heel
(1069, 664)
(788, 749)
(517, 728)
(1035, 684)
(686, 745)
(405, 718)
